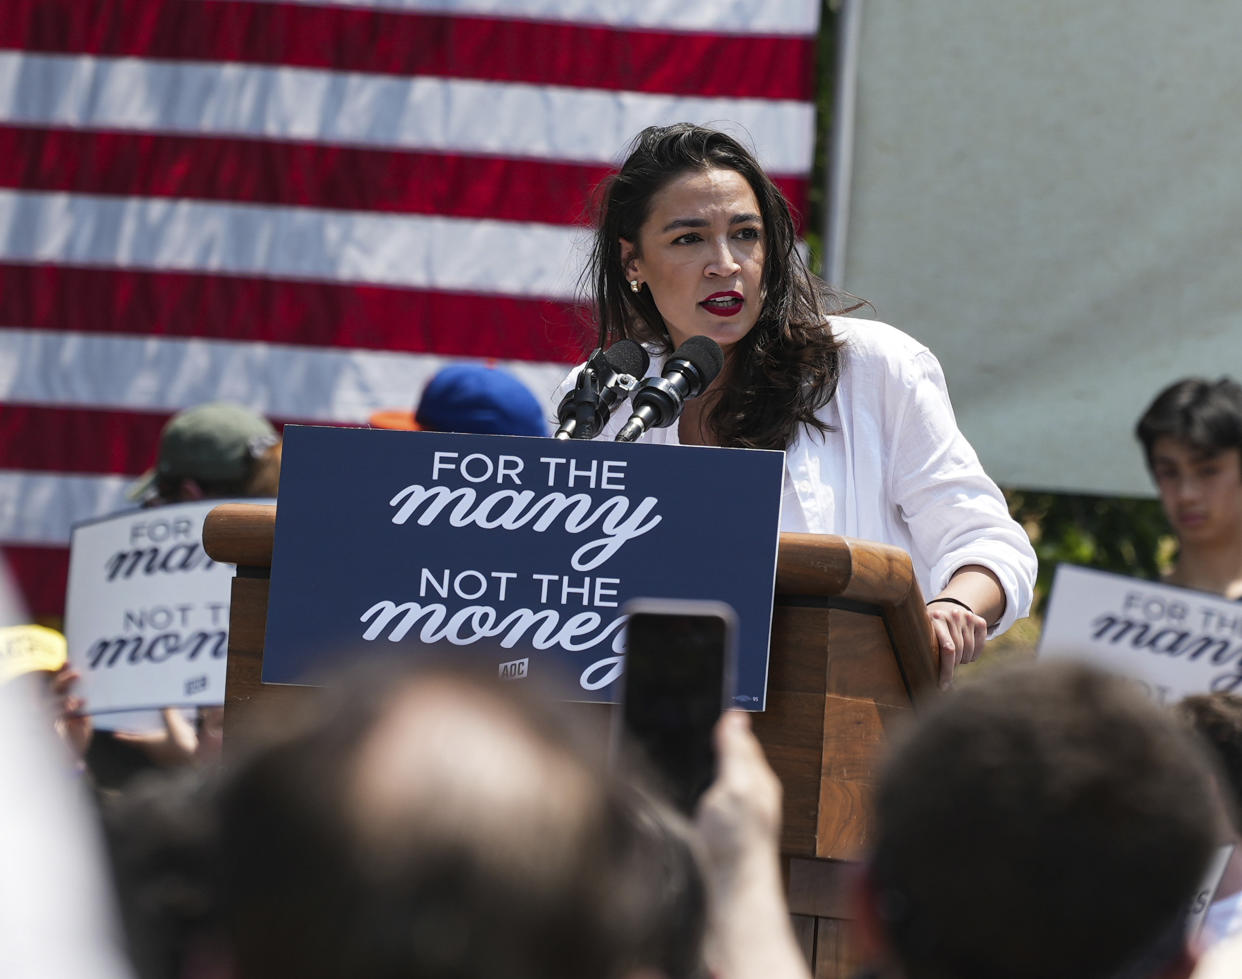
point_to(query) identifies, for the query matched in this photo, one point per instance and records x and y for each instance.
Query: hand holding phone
(679, 673)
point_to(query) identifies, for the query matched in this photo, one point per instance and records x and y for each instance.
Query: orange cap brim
(402, 421)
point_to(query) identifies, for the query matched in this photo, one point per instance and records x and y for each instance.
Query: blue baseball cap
(474, 399)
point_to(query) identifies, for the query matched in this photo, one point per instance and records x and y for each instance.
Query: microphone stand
(584, 403)
(591, 402)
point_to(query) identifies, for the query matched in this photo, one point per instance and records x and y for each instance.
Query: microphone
(604, 382)
(659, 400)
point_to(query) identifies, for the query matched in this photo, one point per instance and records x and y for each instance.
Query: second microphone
(658, 401)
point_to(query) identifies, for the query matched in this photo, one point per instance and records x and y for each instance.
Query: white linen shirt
(894, 469)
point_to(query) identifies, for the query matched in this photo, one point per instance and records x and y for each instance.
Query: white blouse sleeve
(955, 513)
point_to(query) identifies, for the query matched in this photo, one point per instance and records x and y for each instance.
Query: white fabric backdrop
(1049, 194)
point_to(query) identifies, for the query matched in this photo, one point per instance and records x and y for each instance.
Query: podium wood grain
(851, 654)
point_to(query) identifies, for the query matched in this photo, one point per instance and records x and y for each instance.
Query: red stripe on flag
(46, 438)
(443, 45)
(78, 440)
(307, 175)
(299, 174)
(42, 574)
(317, 314)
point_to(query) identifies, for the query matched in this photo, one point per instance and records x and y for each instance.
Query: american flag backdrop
(311, 207)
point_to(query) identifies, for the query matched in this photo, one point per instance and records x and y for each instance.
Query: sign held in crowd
(526, 548)
(147, 611)
(1173, 640)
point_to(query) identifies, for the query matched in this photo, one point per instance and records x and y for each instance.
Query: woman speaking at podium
(694, 239)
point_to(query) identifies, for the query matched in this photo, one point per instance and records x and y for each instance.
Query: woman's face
(701, 253)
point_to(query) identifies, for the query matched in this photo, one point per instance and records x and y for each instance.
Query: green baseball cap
(215, 442)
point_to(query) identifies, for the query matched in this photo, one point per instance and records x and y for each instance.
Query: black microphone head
(704, 355)
(628, 357)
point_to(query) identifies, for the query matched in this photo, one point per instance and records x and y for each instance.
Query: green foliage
(1127, 536)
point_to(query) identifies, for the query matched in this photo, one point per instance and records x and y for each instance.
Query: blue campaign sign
(525, 548)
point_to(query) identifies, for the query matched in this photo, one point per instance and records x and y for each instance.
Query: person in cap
(474, 399)
(36, 658)
(30, 649)
(212, 451)
(217, 450)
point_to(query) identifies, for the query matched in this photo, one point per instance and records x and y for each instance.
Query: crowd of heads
(404, 821)
(224, 450)
(431, 821)
(425, 821)
(459, 829)
(1044, 821)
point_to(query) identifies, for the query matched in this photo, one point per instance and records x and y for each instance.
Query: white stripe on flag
(165, 374)
(799, 17)
(39, 508)
(450, 116)
(416, 251)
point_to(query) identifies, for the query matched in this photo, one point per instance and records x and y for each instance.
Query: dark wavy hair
(786, 368)
(1206, 414)
(1216, 718)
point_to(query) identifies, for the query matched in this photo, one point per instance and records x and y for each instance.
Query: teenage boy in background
(1192, 438)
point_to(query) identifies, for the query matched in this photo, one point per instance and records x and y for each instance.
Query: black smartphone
(679, 674)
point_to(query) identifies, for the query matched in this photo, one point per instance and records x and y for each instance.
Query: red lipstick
(723, 303)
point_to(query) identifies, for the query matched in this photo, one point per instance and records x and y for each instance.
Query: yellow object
(27, 648)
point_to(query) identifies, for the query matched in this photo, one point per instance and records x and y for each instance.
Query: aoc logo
(515, 669)
(195, 685)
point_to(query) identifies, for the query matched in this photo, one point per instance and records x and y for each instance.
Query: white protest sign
(147, 611)
(1174, 641)
(139, 721)
(1201, 903)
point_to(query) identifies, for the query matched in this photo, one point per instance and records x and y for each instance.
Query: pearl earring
(635, 285)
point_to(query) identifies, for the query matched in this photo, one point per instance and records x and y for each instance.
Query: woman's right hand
(959, 634)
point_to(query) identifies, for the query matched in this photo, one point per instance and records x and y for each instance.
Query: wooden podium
(851, 653)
